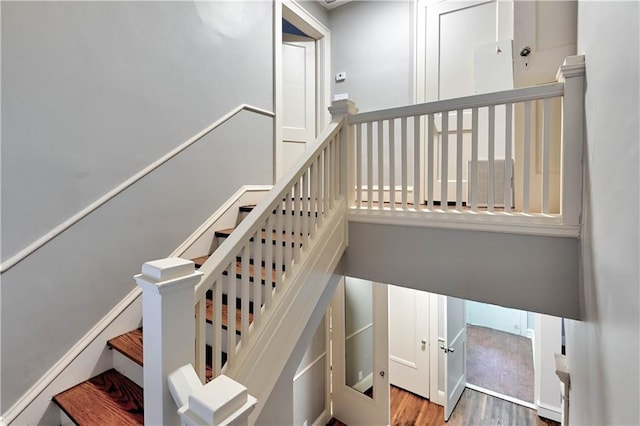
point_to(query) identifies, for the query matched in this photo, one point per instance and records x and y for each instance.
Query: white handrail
(49, 236)
(220, 258)
(483, 100)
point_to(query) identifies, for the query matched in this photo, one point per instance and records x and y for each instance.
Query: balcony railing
(511, 157)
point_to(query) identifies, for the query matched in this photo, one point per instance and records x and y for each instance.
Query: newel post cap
(169, 274)
(343, 107)
(573, 66)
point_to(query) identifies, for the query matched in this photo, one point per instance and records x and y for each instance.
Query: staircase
(116, 396)
(274, 269)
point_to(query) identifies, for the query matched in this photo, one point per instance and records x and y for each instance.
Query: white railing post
(169, 331)
(339, 109)
(572, 74)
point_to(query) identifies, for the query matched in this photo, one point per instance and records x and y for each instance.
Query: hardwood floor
(474, 408)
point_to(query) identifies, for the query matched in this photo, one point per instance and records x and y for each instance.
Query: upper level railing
(507, 157)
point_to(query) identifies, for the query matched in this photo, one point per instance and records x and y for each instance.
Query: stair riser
(128, 368)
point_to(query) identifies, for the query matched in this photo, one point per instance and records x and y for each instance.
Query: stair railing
(286, 223)
(58, 230)
(511, 156)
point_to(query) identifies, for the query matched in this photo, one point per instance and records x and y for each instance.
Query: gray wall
(604, 349)
(372, 42)
(532, 273)
(92, 93)
(316, 10)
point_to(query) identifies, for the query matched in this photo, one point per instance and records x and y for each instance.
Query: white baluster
(473, 170)
(491, 157)
(526, 158)
(217, 327)
(508, 168)
(232, 286)
(430, 162)
(444, 167)
(392, 164)
(380, 166)
(459, 157)
(546, 150)
(418, 196)
(268, 259)
(369, 165)
(404, 162)
(359, 143)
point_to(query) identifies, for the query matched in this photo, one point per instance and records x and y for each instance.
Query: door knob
(447, 349)
(381, 373)
(423, 341)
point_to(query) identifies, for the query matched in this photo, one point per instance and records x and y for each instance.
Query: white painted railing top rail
(55, 232)
(266, 247)
(510, 157)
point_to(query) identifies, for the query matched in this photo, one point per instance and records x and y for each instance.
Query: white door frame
(298, 16)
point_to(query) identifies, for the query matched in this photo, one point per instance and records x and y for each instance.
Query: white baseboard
(323, 419)
(87, 358)
(549, 412)
(502, 396)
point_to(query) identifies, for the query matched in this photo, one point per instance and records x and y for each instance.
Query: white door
(409, 339)
(360, 348)
(455, 349)
(448, 68)
(299, 97)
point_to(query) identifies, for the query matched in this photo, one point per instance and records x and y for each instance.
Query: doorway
(500, 352)
(302, 70)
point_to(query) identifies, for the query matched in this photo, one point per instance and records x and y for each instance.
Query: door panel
(360, 353)
(408, 339)
(455, 348)
(299, 96)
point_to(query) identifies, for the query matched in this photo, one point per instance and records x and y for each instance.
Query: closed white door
(409, 339)
(452, 64)
(299, 97)
(359, 353)
(455, 349)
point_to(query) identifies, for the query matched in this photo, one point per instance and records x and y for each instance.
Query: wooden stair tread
(225, 316)
(107, 399)
(129, 344)
(199, 261)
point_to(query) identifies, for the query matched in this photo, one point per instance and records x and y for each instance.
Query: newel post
(169, 331)
(571, 73)
(343, 109)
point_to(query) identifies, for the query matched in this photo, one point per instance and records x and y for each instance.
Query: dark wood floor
(474, 408)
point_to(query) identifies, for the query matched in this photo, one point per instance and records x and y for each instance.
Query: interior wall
(497, 317)
(532, 273)
(373, 42)
(603, 350)
(309, 383)
(92, 93)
